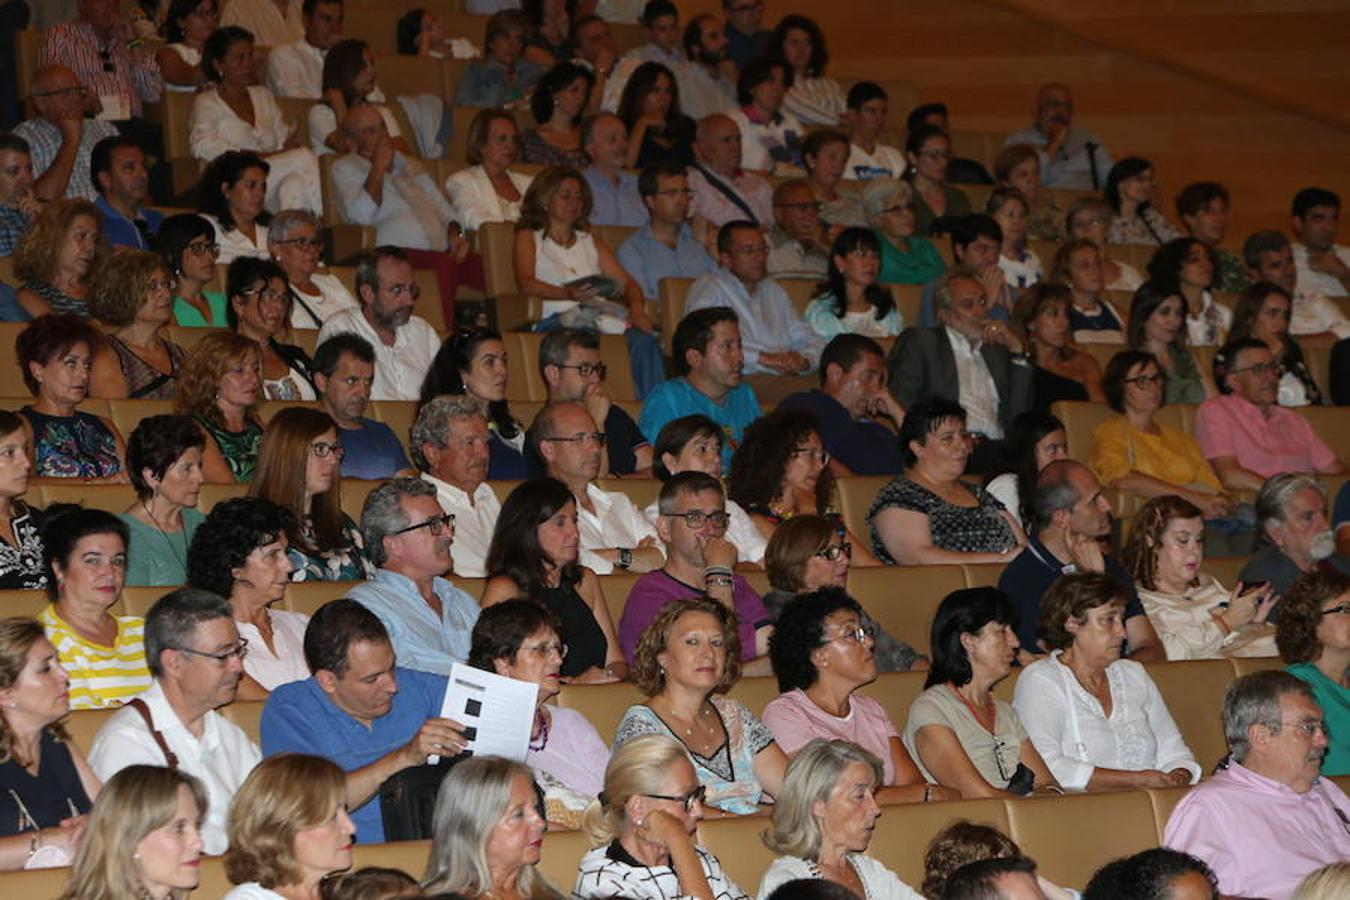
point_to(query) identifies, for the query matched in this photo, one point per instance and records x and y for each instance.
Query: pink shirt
(796, 721)
(1283, 441)
(1258, 836)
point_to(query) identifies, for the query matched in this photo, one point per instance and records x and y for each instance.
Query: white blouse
(879, 882)
(272, 670)
(233, 243)
(1185, 624)
(333, 296)
(216, 128)
(476, 202)
(193, 57)
(816, 101)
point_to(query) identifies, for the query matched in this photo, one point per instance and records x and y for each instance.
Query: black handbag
(408, 800)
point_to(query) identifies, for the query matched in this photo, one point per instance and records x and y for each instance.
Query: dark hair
(687, 483)
(820, 56)
(962, 612)
(218, 44)
(454, 357)
(515, 551)
(172, 622)
(1149, 296)
(553, 349)
(979, 880)
(554, 81)
(1199, 194)
(1259, 242)
(65, 525)
(368, 268)
(1227, 356)
(341, 64)
(503, 627)
(756, 478)
(100, 158)
(14, 144)
(915, 120)
(1301, 613)
(649, 179)
(227, 169)
(1018, 454)
(156, 443)
(47, 337)
(865, 92)
(243, 274)
(334, 628)
(642, 82)
(923, 419)
(1306, 199)
(224, 542)
(1118, 369)
(811, 889)
(175, 233)
(675, 434)
(820, 139)
(180, 9)
(917, 137)
(755, 74)
(328, 354)
(695, 331)
(799, 631)
(1127, 168)
(308, 6)
(965, 230)
(834, 286)
(408, 31)
(727, 232)
(1071, 597)
(1165, 266)
(1148, 875)
(846, 350)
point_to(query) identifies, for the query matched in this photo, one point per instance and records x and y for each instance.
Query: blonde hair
(205, 365)
(35, 257)
(283, 795)
(120, 285)
(637, 767)
(1331, 882)
(18, 634)
(648, 674)
(810, 778)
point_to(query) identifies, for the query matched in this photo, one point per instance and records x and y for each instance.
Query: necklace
(539, 740)
(181, 559)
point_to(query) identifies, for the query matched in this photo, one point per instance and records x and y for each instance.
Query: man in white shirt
(868, 158)
(274, 23)
(405, 344)
(296, 69)
(450, 448)
(1269, 257)
(800, 242)
(196, 656)
(708, 80)
(1323, 265)
(662, 21)
(614, 533)
(723, 191)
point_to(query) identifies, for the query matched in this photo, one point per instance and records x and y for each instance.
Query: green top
(159, 558)
(919, 265)
(958, 204)
(187, 315)
(1335, 703)
(1184, 384)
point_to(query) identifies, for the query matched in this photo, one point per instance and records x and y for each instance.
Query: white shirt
(616, 522)
(221, 758)
(400, 369)
(333, 296)
(296, 70)
(323, 122)
(756, 139)
(252, 891)
(769, 322)
(287, 664)
(474, 523)
(1005, 491)
(883, 162)
(1319, 282)
(741, 531)
(233, 243)
(704, 91)
(879, 882)
(1198, 326)
(216, 128)
(1313, 313)
(270, 28)
(1021, 273)
(193, 57)
(475, 202)
(395, 222)
(978, 393)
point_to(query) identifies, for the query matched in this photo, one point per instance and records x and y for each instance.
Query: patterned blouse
(21, 563)
(144, 381)
(975, 529)
(534, 149)
(612, 871)
(345, 563)
(240, 448)
(78, 446)
(59, 301)
(1149, 227)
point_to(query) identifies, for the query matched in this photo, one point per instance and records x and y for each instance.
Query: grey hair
(810, 778)
(287, 221)
(1255, 700)
(878, 194)
(1054, 491)
(942, 300)
(383, 513)
(172, 622)
(433, 423)
(1275, 494)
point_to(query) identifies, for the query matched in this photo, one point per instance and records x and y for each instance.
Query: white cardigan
(475, 201)
(216, 128)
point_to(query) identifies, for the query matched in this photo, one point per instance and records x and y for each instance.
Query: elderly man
(614, 533)
(800, 240)
(569, 363)
(1269, 257)
(614, 191)
(408, 538)
(296, 69)
(747, 38)
(61, 140)
(344, 370)
(1268, 819)
(1291, 517)
(274, 23)
(868, 158)
(117, 165)
(976, 242)
(723, 191)
(18, 204)
(450, 446)
(361, 708)
(707, 81)
(970, 358)
(1323, 265)
(197, 659)
(662, 21)
(665, 247)
(692, 524)
(404, 344)
(1245, 434)
(1072, 518)
(1070, 157)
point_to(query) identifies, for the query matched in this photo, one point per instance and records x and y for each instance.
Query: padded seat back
(562, 855)
(246, 714)
(903, 832)
(211, 494)
(496, 241)
(755, 692)
(1073, 835)
(736, 842)
(307, 596)
(111, 497)
(83, 724)
(399, 415)
(908, 299)
(137, 599)
(127, 414)
(603, 705)
(982, 574)
(904, 600)
(1224, 568)
(1246, 665)
(1331, 423)
(800, 291)
(23, 603)
(1163, 801)
(1193, 690)
(673, 292)
(856, 493)
(896, 691)
(410, 856)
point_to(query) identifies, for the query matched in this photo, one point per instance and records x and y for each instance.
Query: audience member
(132, 293)
(450, 447)
(22, 552)
(55, 260)
(1062, 371)
(1035, 440)
(372, 883)
(558, 103)
(960, 170)
(868, 158)
(60, 139)
(187, 25)
(164, 464)
(473, 362)
(707, 81)
(117, 168)
(259, 310)
(1019, 166)
(614, 191)
(964, 842)
(549, 42)
(1011, 878)
(1157, 327)
(799, 241)
(771, 137)
(976, 243)
(1323, 265)
(1269, 257)
(747, 39)
(349, 81)
(1070, 157)
(502, 79)
(1202, 207)
(231, 199)
(19, 205)
(295, 69)
(1087, 220)
(814, 97)
(293, 241)
(220, 387)
(665, 246)
(1295, 535)
(936, 202)
(723, 191)
(1155, 874)
(275, 24)
(1187, 267)
(661, 19)
(187, 243)
(1020, 266)
(906, 258)
(1130, 189)
(560, 354)
(487, 190)
(1315, 645)
(1079, 265)
(658, 129)
(1263, 311)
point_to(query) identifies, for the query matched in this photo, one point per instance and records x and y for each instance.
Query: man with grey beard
(1296, 535)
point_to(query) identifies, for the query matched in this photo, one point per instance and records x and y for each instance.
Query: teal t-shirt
(920, 265)
(187, 315)
(156, 558)
(1335, 703)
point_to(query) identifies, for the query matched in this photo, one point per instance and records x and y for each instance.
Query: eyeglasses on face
(897, 208)
(586, 370)
(1147, 380)
(323, 450)
(820, 456)
(200, 248)
(302, 243)
(832, 552)
(595, 437)
(1273, 368)
(689, 799)
(162, 284)
(546, 649)
(860, 635)
(238, 651)
(398, 290)
(697, 518)
(1338, 610)
(262, 294)
(1310, 728)
(436, 525)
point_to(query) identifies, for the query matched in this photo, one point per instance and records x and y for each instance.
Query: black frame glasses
(697, 518)
(436, 525)
(240, 651)
(1338, 610)
(696, 795)
(322, 450)
(832, 552)
(586, 370)
(598, 436)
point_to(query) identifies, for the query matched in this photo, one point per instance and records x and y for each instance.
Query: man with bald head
(799, 241)
(614, 192)
(723, 191)
(1070, 157)
(60, 139)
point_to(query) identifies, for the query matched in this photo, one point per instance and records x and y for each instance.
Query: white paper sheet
(497, 712)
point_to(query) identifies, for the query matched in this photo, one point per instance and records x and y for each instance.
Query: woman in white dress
(186, 27)
(487, 191)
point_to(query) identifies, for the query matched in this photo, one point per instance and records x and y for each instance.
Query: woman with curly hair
(220, 386)
(1186, 267)
(658, 131)
(814, 97)
(134, 293)
(964, 842)
(55, 258)
(1263, 312)
(850, 300)
(1314, 641)
(164, 462)
(473, 362)
(558, 103)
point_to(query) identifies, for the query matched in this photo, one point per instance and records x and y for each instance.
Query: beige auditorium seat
(83, 724)
(1247, 665)
(1070, 836)
(354, 494)
(22, 603)
(399, 415)
(211, 494)
(896, 692)
(307, 596)
(755, 693)
(856, 493)
(126, 414)
(1224, 568)
(739, 848)
(903, 832)
(563, 851)
(908, 300)
(246, 714)
(800, 291)
(1193, 690)
(603, 705)
(982, 574)
(137, 599)
(673, 293)
(1163, 801)
(903, 599)
(110, 497)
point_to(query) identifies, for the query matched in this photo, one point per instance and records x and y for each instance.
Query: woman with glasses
(260, 306)
(1087, 220)
(520, 639)
(1263, 311)
(1130, 189)
(164, 461)
(958, 732)
(928, 514)
(906, 258)
(685, 662)
(240, 553)
(134, 294)
(187, 244)
(534, 554)
(300, 470)
(220, 387)
(56, 257)
(1042, 319)
(1158, 326)
(293, 241)
(1314, 640)
(850, 301)
(1079, 265)
(104, 654)
(46, 786)
(928, 150)
(642, 830)
(473, 362)
(821, 651)
(1097, 719)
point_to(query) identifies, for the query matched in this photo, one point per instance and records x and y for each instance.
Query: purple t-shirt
(655, 589)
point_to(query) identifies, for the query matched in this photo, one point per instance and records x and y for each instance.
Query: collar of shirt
(602, 500)
(111, 211)
(402, 584)
(457, 495)
(1244, 777)
(167, 721)
(962, 345)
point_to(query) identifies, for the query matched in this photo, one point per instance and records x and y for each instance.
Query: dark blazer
(921, 364)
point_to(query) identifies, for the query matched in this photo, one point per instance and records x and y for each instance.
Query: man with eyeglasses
(344, 371)
(196, 656)
(1244, 432)
(665, 247)
(747, 38)
(1270, 257)
(19, 205)
(60, 139)
(799, 238)
(103, 52)
(408, 538)
(295, 69)
(450, 446)
(614, 191)
(1268, 819)
(1070, 157)
(1296, 535)
(117, 165)
(692, 525)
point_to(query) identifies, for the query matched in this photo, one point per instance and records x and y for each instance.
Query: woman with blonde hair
(133, 292)
(289, 829)
(487, 833)
(220, 386)
(642, 827)
(488, 191)
(143, 838)
(57, 255)
(1331, 882)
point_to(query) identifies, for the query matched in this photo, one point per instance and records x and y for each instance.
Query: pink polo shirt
(1282, 441)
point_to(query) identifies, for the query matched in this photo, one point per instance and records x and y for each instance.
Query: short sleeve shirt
(995, 755)
(655, 589)
(796, 721)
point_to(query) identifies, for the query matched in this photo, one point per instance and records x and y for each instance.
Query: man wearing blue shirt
(665, 247)
(614, 192)
(369, 716)
(117, 166)
(344, 371)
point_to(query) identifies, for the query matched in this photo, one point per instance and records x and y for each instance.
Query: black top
(21, 563)
(586, 644)
(1050, 387)
(672, 143)
(56, 792)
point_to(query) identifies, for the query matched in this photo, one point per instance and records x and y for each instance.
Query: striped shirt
(100, 677)
(106, 69)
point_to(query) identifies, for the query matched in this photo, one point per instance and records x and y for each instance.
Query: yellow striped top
(100, 676)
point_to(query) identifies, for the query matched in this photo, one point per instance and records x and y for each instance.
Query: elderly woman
(928, 514)
(1078, 265)
(56, 257)
(1314, 641)
(1019, 166)
(187, 25)
(928, 149)
(488, 833)
(502, 79)
(220, 387)
(1263, 312)
(239, 553)
(643, 826)
(299, 469)
(1187, 266)
(1157, 326)
(1020, 266)
(825, 155)
(821, 651)
(1087, 220)
(294, 242)
(771, 136)
(260, 304)
(823, 823)
(1130, 189)
(1035, 440)
(520, 639)
(474, 362)
(558, 103)
(906, 258)
(133, 293)
(164, 462)
(289, 829)
(814, 97)
(488, 191)
(850, 300)
(22, 563)
(142, 839)
(187, 244)
(1062, 371)
(658, 131)
(1097, 720)
(46, 785)
(958, 732)
(688, 656)
(231, 199)
(1196, 617)
(55, 358)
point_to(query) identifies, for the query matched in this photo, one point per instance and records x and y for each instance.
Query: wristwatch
(625, 558)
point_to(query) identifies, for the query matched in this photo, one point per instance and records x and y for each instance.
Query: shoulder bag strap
(727, 191)
(139, 705)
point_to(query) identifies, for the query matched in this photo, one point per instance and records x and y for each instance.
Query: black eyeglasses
(832, 552)
(586, 370)
(322, 450)
(1147, 380)
(689, 799)
(1340, 610)
(238, 651)
(697, 518)
(302, 243)
(436, 525)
